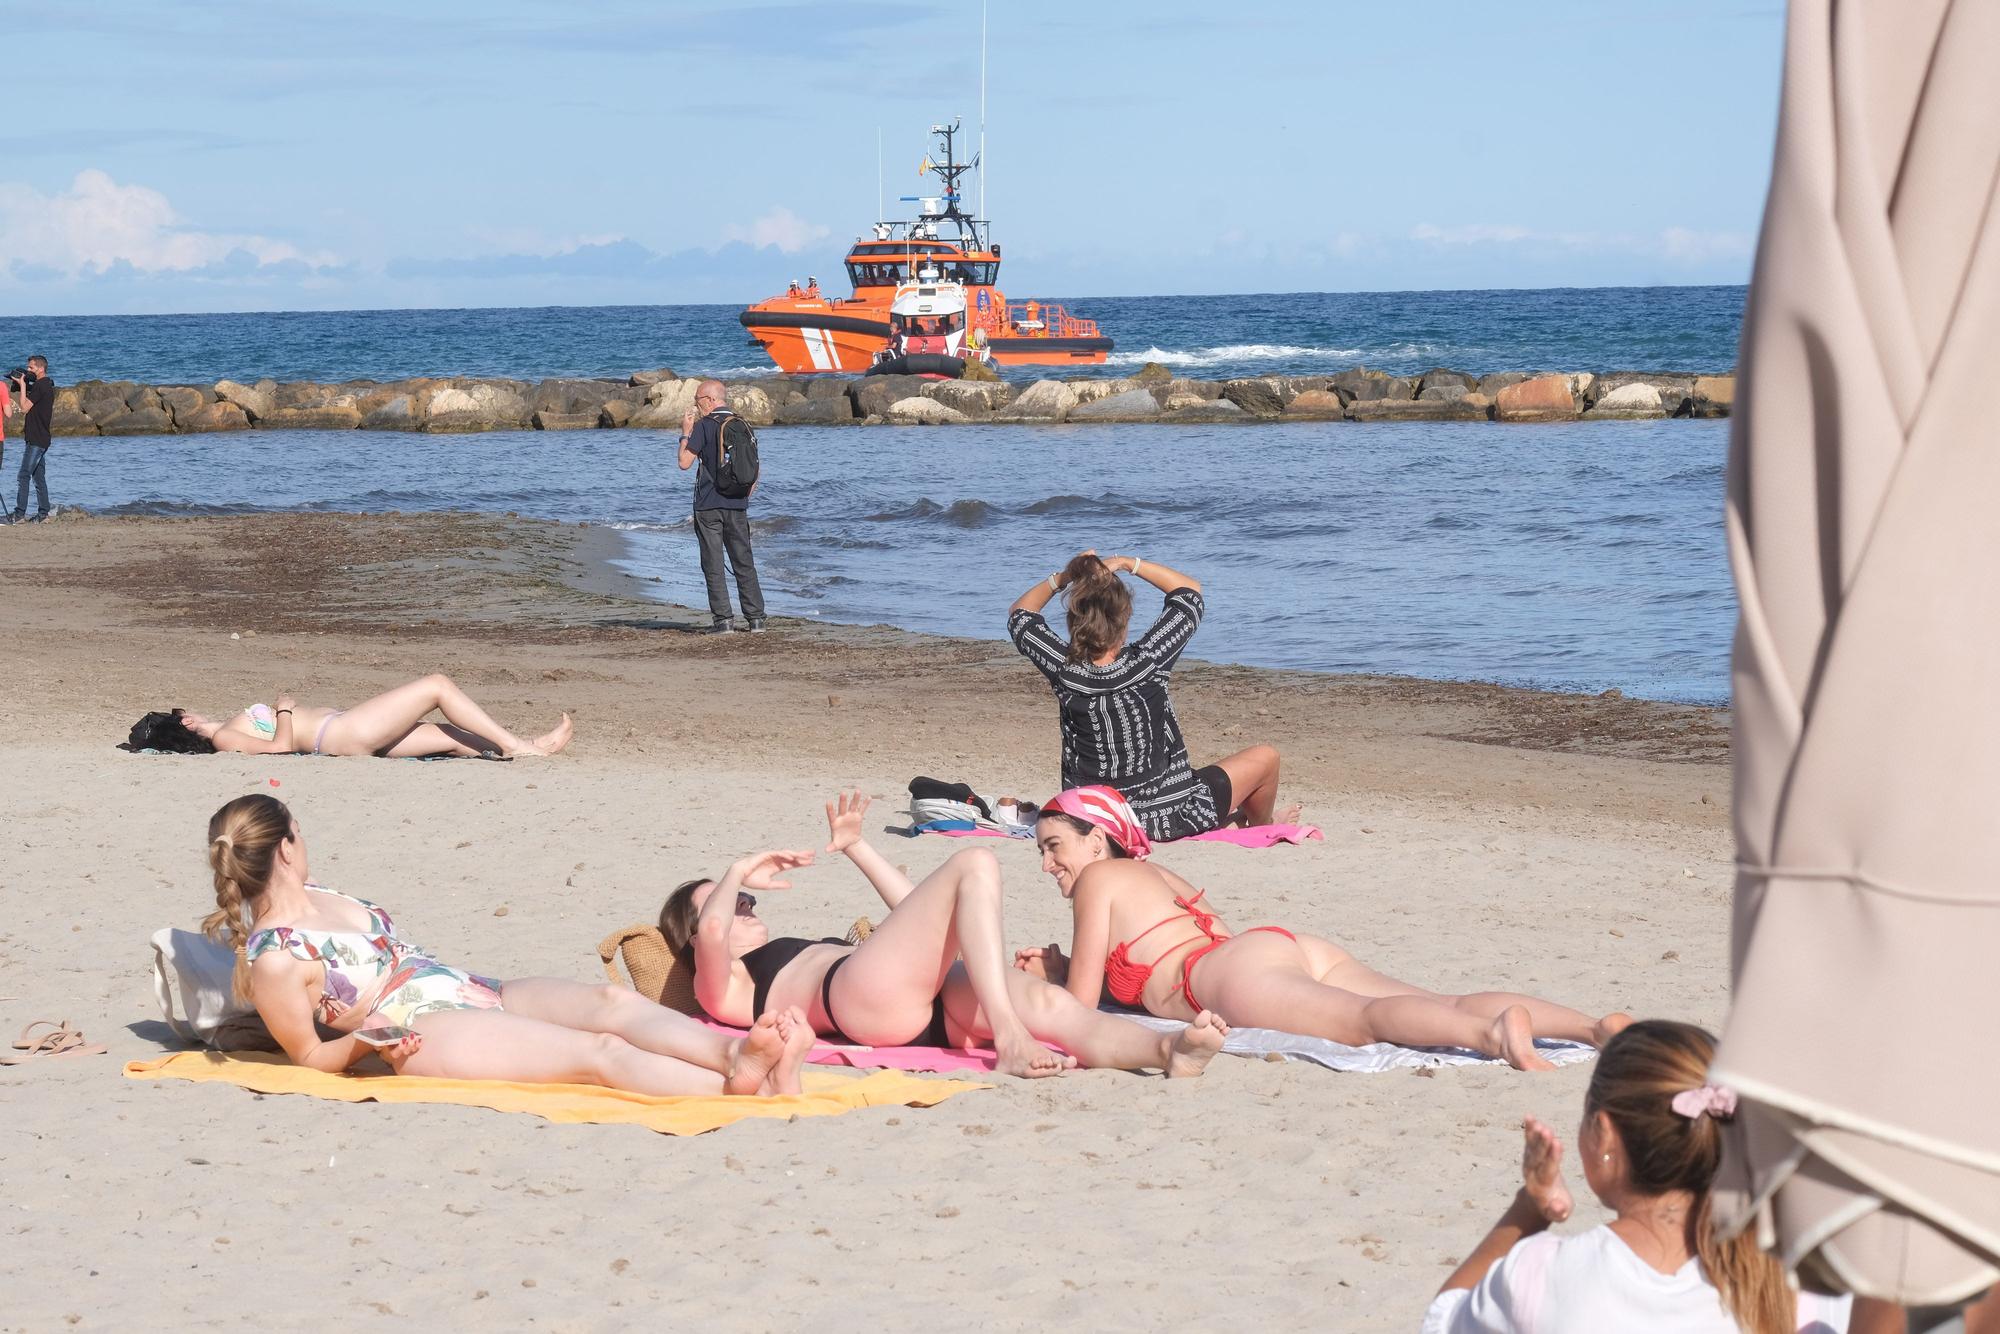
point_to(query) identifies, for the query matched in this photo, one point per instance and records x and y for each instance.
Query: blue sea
(1582, 556)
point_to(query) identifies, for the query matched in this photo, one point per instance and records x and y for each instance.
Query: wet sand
(1475, 837)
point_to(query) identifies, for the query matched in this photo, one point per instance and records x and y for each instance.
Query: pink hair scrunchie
(1708, 1100)
(1106, 808)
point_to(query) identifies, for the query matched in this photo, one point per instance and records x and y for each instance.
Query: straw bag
(656, 974)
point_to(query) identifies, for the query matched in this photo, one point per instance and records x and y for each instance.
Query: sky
(246, 155)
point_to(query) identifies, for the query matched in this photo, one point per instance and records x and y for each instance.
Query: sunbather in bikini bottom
(933, 1035)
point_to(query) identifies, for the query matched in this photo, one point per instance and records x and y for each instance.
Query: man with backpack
(725, 447)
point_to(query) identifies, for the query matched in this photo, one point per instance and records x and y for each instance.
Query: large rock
(255, 400)
(1049, 400)
(615, 413)
(979, 370)
(1491, 385)
(646, 379)
(919, 411)
(873, 394)
(183, 401)
(143, 396)
(1629, 402)
(1545, 398)
(1713, 396)
(148, 419)
(1442, 393)
(974, 398)
(563, 421)
(309, 394)
(475, 405)
(1152, 373)
(67, 417)
(1315, 403)
(1439, 377)
(1207, 410)
(673, 396)
(825, 386)
(1132, 405)
(751, 404)
(398, 412)
(1177, 394)
(1366, 386)
(1091, 390)
(1668, 385)
(1408, 409)
(810, 411)
(210, 417)
(570, 396)
(1260, 396)
(331, 417)
(99, 400)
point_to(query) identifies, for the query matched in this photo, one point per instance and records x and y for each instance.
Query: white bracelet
(1136, 563)
(1054, 587)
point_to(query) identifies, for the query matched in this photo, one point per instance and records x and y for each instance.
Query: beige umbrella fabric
(1864, 529)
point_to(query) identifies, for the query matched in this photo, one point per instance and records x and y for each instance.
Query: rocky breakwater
(657, 399)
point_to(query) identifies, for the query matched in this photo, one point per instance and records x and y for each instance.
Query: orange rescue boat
(804, 330)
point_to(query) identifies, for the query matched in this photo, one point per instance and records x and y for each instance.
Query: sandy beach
(1476, 837)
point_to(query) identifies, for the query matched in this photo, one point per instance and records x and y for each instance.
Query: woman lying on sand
(1650, 1141)
(932, 974)
(304, 952)
(1142, 933)
(391, 724)
(1118, 725)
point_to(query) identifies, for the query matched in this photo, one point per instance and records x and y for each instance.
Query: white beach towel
(1375, 1058)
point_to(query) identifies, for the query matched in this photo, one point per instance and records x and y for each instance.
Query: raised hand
(403, 1051)
(843, 821)
(760, 870)
(1541, 1170)
(1047, 962)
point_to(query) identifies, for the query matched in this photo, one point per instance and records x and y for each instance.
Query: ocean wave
(1211, 356)
(1065, 505)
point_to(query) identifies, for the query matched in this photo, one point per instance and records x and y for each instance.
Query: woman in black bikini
(932, 974)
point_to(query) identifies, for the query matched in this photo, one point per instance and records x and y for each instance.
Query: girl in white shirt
(1650, 1142)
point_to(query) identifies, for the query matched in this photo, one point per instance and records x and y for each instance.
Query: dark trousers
(34, 465)
(721, 531)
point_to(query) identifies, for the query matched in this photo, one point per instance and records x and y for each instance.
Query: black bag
(162, 731)
(736, 454)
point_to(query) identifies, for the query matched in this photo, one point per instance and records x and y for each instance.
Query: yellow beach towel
(568, 1104)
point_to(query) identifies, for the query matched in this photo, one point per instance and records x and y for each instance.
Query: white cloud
(97, 223)
(782, 228)
(1694, 247)
(1474, 233)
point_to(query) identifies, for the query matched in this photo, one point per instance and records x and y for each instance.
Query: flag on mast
(925, 166)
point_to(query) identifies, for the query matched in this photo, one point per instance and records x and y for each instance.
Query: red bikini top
(1127, 980)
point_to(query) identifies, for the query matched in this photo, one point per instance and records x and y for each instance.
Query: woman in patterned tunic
(306, 954)
(1118, 725)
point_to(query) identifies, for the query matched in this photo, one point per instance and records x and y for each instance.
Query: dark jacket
(41, 406)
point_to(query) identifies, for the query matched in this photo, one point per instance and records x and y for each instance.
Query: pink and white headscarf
(1106, 808)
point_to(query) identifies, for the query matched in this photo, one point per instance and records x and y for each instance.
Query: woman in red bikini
(1147, 936)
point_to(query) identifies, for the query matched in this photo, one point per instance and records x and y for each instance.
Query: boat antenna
(879, 205)
(982, 110)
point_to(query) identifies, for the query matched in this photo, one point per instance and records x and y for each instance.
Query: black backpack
(736, 453)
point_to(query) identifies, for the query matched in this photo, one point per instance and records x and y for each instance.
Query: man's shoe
(757, 626)
(719, 628)
(43, 517)
(12, 518)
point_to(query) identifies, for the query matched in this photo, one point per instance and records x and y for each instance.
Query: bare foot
(1513, 1036)
(1610, 1026)
(1025, 1058)
(1541, 1170)
(799, 1038)
(1191, 1049)
(1289, 815)
(756, 1056)
(554, 741)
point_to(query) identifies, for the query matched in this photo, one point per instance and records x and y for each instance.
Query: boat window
(978, 273)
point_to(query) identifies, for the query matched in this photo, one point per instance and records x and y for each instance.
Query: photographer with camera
(33, 383)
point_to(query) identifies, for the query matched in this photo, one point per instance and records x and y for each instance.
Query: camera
(18, 373)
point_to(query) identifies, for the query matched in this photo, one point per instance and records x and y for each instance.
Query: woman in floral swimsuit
(305, 953)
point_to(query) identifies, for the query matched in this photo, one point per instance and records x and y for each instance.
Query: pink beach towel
(1249, 836)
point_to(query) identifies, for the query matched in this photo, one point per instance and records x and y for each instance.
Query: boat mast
(982, 110)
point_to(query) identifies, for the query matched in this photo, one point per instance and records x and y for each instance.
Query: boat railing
(1055, 321)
